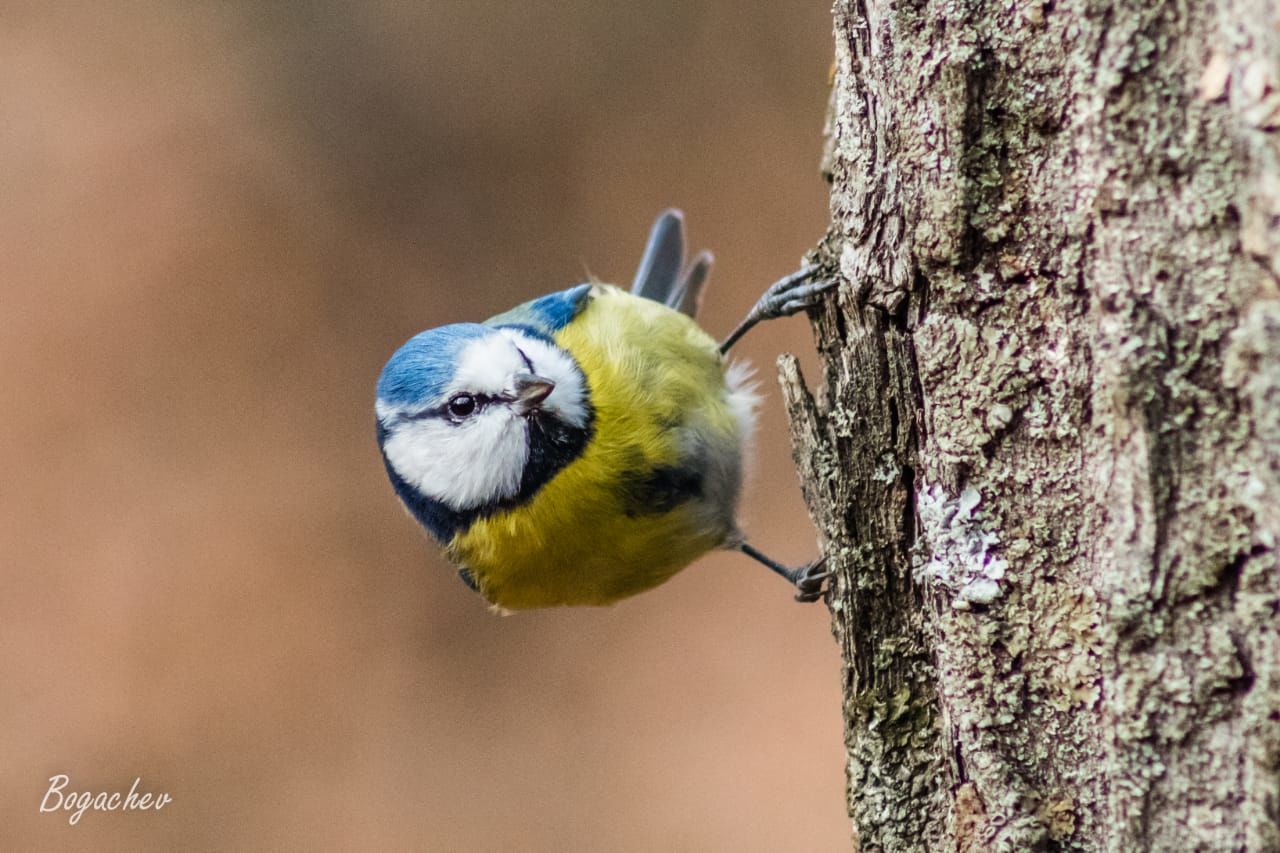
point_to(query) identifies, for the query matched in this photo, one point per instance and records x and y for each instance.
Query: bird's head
(472, 417)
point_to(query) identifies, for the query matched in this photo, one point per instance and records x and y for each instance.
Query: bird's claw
(810, 580)
(793, 294)
(797, 292)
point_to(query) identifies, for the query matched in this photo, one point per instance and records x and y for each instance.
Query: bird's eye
(461, 405)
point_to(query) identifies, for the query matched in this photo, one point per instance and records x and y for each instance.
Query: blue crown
(422, 369)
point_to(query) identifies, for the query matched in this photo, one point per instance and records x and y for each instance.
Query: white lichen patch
(962, 555)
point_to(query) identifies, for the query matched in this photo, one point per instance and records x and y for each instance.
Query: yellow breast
(661, 403)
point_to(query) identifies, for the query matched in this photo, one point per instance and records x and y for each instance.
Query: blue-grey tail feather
(691, 287)
(659, 270)
(660, 277)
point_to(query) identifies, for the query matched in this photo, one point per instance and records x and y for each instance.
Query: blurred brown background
(217, 224)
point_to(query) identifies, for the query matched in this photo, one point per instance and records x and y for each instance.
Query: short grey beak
(531, 390)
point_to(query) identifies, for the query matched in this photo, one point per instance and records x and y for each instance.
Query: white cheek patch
(569, 399)
(467, 465)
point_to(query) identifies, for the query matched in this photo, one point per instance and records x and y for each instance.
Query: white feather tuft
(743, 397)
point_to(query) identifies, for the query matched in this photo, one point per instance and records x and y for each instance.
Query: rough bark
(1045, 454)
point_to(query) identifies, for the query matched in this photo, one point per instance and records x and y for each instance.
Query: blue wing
(546, 314)
(659, 276)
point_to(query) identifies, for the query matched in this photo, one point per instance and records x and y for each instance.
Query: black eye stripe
(443, 409)
(528, 362)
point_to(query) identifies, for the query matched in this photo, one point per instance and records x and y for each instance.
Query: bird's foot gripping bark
(797, 292)
(809, 580)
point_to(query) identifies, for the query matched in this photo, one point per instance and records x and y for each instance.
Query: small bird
(587, 445)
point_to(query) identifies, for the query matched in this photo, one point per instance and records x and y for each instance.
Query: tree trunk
(1045, 457)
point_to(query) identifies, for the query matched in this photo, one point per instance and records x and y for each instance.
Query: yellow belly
(657, 385)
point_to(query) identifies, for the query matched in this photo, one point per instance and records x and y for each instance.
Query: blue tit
(587, 445)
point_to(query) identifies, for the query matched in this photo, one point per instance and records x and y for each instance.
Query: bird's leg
(798, 291)
(807, 579)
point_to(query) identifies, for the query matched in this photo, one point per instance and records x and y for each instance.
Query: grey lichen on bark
(1045, 452)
